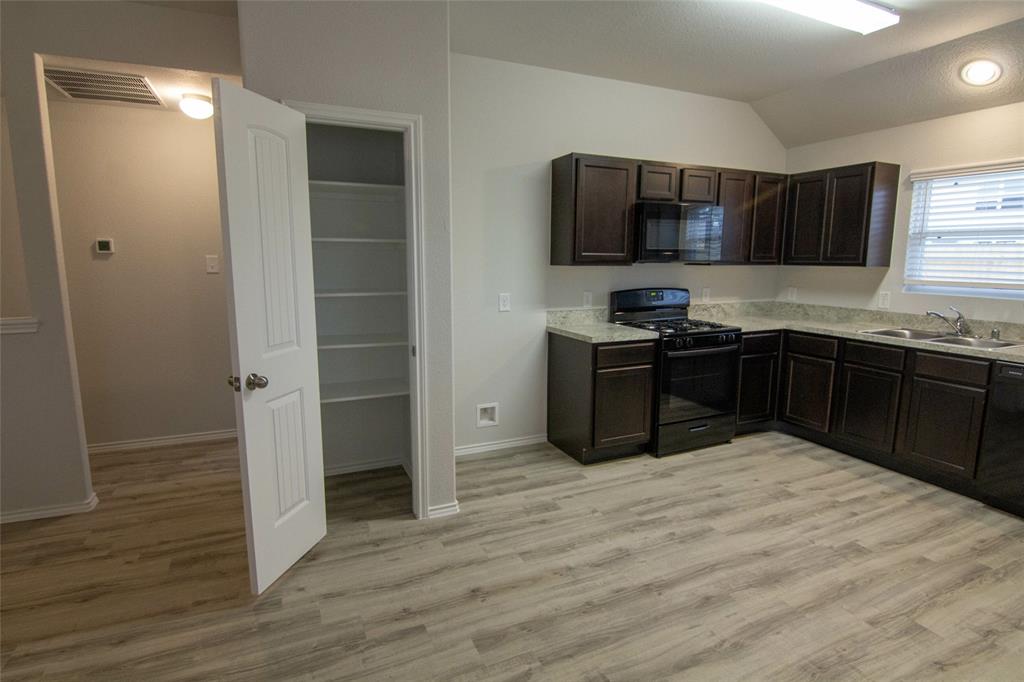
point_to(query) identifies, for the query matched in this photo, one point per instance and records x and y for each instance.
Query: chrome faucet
(960, 326)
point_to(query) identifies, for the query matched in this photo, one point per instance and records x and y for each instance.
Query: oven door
(697, 383)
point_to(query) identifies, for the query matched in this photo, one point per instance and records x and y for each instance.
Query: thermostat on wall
(104, 245)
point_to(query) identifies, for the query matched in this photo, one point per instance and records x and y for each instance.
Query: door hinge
(235, 383)
(412, 349)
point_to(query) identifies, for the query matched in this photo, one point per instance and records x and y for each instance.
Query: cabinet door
(769, 214)
(605, 200)
(943, 427)
(659, 182)
(807, 399)
(847, 222)
(622, 405)
(700, 184)
(868, 407)
(805, 217)
(736, 197)
(756, 397)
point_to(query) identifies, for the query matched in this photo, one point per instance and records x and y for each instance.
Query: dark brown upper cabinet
(700, 184)
(842, 216)
(659, 182)
(593, 200)
(736, 197)
(769, 218)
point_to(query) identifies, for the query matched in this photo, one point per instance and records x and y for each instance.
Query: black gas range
(698, 367)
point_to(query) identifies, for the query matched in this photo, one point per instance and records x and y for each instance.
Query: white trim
(48, 512)
(478, 448)
(161, 441)
(411, 127)
(442, 510)
(19, 325)
(368, 465)
(967, 169)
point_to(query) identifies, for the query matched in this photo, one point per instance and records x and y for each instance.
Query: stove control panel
(700, 341)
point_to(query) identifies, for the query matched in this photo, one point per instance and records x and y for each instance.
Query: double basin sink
(943, 339)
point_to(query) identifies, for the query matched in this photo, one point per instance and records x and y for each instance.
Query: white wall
(508, 122)
(42, 444)
(150, 324)
(986, 135)
(390, 56)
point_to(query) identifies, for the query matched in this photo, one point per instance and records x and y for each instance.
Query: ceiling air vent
(99, 85)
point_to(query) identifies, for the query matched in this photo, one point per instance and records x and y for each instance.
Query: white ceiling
(784, 64)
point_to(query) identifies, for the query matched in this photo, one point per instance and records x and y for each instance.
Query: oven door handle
(702, 351)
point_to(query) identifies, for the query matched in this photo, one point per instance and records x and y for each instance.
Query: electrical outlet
(486, 415)
(504, 303)
(884, 300)
(790, 293)
(588, 299)
(212, 265)
(705, 295)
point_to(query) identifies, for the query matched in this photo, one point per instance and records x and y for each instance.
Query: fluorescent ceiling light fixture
(196, 106)
(981, 72)
(855, 15)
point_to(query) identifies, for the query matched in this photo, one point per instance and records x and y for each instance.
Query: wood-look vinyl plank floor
(767, 558)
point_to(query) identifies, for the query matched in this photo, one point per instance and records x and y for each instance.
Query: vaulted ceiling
(809, 81)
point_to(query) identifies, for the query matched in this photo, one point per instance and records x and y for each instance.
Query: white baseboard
(160, 441)
(338, 469)
(442, 510)
(478, 448)
(48, 512)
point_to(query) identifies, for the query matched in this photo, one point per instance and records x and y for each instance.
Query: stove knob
(689, 342)
(721, 338)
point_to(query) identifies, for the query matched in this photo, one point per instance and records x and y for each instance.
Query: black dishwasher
(1000, 473)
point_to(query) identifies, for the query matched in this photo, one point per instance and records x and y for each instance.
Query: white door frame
(411, 127)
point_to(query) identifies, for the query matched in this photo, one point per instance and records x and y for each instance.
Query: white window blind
(967, 230)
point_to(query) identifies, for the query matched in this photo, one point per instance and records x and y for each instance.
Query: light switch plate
(884, 300)
(212, 265)
(504, 303)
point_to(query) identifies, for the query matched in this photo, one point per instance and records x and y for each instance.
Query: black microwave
(678, 232)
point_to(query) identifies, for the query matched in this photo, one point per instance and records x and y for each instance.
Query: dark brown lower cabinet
(600, 397)
(867, 410)
(622, 405)
(755, 401)
(943, 425)
(807, 398)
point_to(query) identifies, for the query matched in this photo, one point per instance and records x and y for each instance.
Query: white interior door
(264, 193)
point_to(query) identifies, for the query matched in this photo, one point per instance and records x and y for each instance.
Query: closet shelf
(335, 341)
(355, 240)
(362, 390)
(345, 293)
(328, 185)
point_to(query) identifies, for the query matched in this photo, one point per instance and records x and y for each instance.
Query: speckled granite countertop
(589, 325)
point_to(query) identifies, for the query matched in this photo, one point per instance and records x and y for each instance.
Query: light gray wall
(150, 325)
(508, 121)
(42, 447)
(986, 135)
(390, 56)
(13, 285)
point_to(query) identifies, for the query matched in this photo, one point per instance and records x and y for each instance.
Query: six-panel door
(605, 204)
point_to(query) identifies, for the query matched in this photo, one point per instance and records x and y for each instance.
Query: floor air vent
(99, 85)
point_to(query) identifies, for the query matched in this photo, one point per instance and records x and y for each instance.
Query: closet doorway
(322, 215)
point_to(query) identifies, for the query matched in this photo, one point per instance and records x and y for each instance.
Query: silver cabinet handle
(254, 381)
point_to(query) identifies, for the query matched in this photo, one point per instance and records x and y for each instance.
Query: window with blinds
(967, 230)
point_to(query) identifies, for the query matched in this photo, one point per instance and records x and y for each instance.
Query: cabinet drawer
(885, 357)
(956, 370)
(815, 346)
(762, 342)
(625, 354)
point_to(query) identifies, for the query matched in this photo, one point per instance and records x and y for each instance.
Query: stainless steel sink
(902, 333)
(975, 343)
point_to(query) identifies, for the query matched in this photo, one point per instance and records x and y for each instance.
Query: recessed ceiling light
(855, 15)
(196, 106)
(981, 72)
